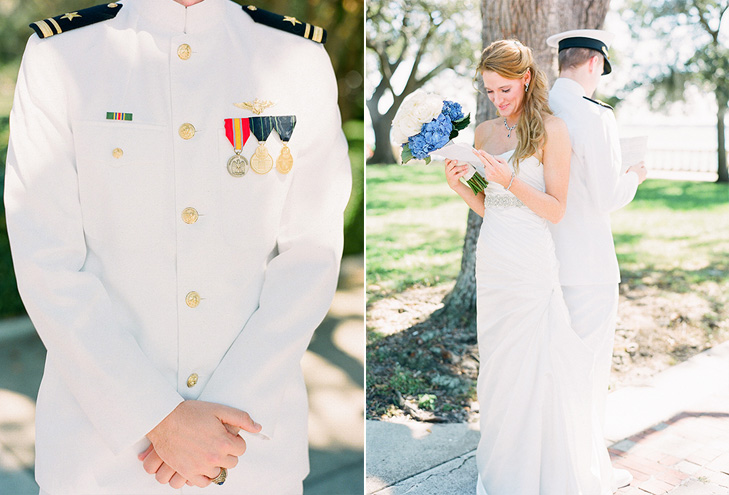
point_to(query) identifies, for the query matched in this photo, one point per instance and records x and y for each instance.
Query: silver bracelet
(511, 181)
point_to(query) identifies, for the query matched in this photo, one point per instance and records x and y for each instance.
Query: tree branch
(705, 22)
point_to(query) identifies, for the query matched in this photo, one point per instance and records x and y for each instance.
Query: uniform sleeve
(301, 279)
(100, 362)
(610, 187)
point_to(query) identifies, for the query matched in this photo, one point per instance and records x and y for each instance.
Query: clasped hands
(196, 440)
(496, 169)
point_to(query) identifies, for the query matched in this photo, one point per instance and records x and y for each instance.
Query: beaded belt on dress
(502, 201)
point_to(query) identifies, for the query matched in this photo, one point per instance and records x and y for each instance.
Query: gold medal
(284, 126)
(261, 161)
(237, 165)
(285, 161)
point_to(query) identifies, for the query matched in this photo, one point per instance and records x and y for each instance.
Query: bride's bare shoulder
(554, 125)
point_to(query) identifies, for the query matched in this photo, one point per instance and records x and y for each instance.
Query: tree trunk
(721, 142)
(531, 22)
(381, 125)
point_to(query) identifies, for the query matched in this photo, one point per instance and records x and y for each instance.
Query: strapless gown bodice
(515, 235)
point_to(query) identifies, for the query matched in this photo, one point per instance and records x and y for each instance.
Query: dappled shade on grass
(672, 243)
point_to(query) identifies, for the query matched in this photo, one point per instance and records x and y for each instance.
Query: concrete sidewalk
(333, 368)
(672, 434)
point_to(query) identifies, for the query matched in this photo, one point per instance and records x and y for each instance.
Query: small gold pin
(70, 15)
(252, 7)
(293, 20)
(256, 106)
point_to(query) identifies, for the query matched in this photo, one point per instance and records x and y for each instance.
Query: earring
(526, 87)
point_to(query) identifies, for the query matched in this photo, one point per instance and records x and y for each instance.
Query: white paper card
(463, 153)
(633, 150)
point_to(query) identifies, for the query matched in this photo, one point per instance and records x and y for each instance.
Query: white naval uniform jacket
(597, 186)
(105, 262)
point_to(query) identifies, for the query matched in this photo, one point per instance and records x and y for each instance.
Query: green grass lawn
(415, 228)
(673, 247)
(674, 234)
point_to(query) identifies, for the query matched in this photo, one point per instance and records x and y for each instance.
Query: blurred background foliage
(344, 22)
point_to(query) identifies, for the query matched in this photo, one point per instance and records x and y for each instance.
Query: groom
(598, 185)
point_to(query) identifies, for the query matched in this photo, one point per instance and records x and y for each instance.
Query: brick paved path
(685, 455)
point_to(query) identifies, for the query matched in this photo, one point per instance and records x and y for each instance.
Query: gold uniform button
(184, 51)
(192, 380)
(187, 131)
(112, 5)
(192, 299)
(190, 215)
(117, 153)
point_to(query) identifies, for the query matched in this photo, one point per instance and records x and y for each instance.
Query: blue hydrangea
(453, 110)
(433, 136)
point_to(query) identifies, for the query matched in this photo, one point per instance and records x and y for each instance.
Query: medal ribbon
(284, 125)
(261, 127)
(237, 131)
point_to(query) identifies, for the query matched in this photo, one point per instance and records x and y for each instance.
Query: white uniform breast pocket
(251, 204)
(126, 184)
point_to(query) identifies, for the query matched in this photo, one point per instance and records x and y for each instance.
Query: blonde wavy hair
(512, 60)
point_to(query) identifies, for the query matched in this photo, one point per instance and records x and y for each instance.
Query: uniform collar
(568, 85)
(169, 15)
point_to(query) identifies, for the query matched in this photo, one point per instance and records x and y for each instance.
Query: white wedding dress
(534, 378)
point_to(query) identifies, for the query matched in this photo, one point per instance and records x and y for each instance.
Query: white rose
(398, 136)
(417, 109)
(405, 127)
(429, 108)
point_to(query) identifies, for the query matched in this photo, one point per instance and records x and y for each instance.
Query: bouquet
(426, 123)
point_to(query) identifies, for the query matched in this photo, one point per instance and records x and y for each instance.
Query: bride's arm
(454, 172)
(556, 159)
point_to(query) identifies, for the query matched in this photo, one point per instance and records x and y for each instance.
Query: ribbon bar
(118, 116)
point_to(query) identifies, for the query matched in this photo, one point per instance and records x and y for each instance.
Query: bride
(533, 384)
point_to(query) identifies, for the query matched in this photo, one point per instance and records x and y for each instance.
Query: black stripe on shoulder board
(287, 23)
(598, 102)
(69, 21)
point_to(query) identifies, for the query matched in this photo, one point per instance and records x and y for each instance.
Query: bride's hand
(495, 169)
(454, 172)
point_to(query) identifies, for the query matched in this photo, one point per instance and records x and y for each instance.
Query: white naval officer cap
(595, 39)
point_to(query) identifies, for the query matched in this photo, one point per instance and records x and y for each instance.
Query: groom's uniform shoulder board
(598, 102)
(69, 21)
(287, 23)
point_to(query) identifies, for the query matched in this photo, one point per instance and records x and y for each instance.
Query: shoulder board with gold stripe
(287, 23)
(598, 102)
(73, 20)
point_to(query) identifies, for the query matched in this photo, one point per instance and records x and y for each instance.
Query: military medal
(261, 127)
(284, 127)
(237, 131)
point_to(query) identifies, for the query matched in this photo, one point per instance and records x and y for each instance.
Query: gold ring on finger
(220, 478)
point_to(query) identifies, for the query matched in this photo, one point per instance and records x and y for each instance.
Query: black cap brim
(591, 43)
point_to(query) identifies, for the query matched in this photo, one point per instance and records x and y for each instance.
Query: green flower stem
(477, 183)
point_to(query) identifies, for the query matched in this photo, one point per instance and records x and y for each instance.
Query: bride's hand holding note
(496, 169)
(453, 172)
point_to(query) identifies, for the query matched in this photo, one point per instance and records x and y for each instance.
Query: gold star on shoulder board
(70, 15)
(292, 20)
(256, 106)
